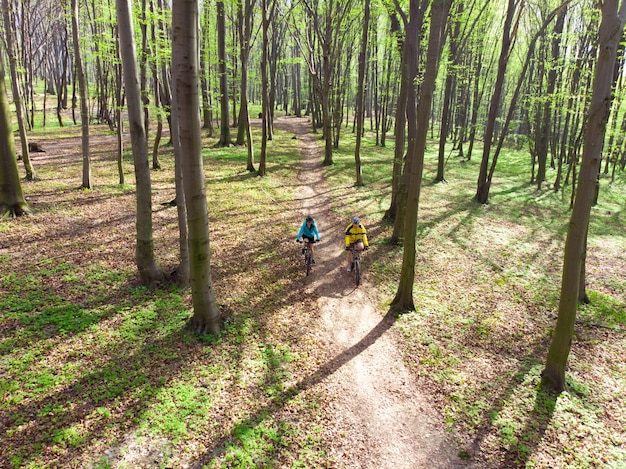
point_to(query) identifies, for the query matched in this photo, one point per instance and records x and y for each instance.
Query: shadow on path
(281, 400)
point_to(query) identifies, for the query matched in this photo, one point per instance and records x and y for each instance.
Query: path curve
(376, 406)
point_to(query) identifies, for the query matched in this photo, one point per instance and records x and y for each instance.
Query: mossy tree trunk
(12, 202)
(610, 33)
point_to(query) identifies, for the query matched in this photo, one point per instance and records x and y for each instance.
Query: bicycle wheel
(357, 272)
(307, 263)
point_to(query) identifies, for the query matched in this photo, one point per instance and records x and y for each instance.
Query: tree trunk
(610, 33)
(12, 202)
(396, 209)
(17, 99)
(482, 191)
(359, 95)
(453, 67)
(245, 31)
(206, 317)
(183, 272)
(119, 121)
(205, 82)
(403, 300)
(82, 89)
(544, 130)
(221, 52)
(516, 93)
(154, 68)
(266, 18)
(149, 271)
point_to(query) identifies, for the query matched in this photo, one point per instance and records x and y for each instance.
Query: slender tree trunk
(183, 272)
(82, 89)
(206, 317)
(17, 99)
(221, 52)
(482, 191)
(544, 130)
(12, 202)
(359, 95)
(266, 15)
(154, 68)
(205, 82)
(418, 128)
(244, 133)
(610, 33)
(119, 98)
(516, 93)
(149, 271)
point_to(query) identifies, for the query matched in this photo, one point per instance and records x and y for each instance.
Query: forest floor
(99, 372)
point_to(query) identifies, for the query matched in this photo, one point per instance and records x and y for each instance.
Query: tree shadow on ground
(520, 443)
(282, 399)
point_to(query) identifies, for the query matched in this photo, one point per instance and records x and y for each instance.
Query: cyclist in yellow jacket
(356, 238)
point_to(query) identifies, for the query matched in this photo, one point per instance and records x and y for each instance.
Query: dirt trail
(379, 417)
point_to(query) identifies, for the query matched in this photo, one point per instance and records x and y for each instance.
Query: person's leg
(349, 259)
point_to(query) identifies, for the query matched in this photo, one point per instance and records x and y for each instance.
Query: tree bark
(17, 98)
(544, 130)
(483, 185)
(264, 88)
(221, 52)
(82, 89)
(149, 271)
(206, 317)
(359, 95)
(244, 135)
(12, 202)
(403, 300)
(610, 33)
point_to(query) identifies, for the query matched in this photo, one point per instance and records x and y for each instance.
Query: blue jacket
(309, 232)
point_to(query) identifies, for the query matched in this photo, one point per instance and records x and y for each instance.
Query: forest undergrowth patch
(486, 296)
(98, 371)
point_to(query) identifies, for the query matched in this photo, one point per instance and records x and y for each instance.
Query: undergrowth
(486, 294)
(98, 371)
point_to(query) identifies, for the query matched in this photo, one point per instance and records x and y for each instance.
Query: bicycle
(355, 266)
(306, 252)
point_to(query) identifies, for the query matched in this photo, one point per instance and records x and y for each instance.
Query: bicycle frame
(356, 265)
(306, 251)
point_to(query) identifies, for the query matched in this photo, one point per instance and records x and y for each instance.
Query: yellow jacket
(354, 233)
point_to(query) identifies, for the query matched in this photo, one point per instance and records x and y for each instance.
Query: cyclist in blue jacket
(308, 232)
